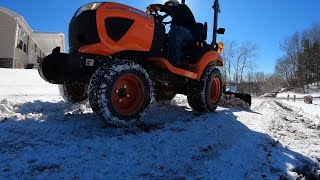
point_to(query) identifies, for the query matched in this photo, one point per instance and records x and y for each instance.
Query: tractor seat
(199, 33)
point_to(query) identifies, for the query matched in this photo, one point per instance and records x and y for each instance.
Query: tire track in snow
(292, 127)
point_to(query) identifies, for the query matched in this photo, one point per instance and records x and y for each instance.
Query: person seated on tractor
(182, 24)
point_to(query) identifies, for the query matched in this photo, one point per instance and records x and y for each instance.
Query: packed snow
(43, 137)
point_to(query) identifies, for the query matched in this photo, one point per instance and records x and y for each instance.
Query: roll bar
(216, 9)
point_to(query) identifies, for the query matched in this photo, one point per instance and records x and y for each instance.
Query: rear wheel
(74, 92)
(205, 95)
(120, 92)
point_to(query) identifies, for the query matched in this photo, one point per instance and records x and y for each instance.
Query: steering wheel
(165, 16)
(162, 8)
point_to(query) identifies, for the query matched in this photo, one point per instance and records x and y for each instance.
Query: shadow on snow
(174, 143)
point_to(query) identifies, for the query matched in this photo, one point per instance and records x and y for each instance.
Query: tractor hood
(107, 28)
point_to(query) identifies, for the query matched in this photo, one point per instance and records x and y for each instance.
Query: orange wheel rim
(215, 90)
(128, 95)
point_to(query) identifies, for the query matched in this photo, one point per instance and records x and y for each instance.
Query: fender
(166, 64)
(211, 57)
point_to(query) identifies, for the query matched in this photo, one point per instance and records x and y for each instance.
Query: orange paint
(211, 57)
(138, 38)
(98, 48)
(175, 70)
(133, 95)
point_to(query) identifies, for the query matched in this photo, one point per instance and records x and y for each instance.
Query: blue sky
(263, 22)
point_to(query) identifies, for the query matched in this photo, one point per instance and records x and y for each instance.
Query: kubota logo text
(141, 13)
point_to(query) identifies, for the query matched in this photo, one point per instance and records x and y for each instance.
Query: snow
(43, 137)
(312, 109)
(313, 91)
(25, 85)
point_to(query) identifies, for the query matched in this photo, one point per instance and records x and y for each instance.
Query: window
(20, 44)
(23, 40)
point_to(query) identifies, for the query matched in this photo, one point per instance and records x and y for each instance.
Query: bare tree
(248, 51)
(250, 76)
(284, 70)
(272, 83)
(238, 60)
(288, 65)
(300, 66)
(228, 55)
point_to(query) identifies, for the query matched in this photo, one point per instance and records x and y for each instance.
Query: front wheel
(205, 95)
(120, 92)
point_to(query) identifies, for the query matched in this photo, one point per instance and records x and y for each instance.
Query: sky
(265, 23)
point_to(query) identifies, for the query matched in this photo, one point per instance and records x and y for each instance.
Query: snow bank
(313, 91)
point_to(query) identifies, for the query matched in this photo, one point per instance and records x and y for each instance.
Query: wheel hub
(122, 93)
(128, 95)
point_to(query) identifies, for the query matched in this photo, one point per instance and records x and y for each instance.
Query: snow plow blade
(59, 68)
(239, 100)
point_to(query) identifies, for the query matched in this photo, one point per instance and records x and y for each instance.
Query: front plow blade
(58, 68)
(238, 100)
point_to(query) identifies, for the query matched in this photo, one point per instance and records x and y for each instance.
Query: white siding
(7, 35)
(32, 51)
(21, 58)
(48, 41)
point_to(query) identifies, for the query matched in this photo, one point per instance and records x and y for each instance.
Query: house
(20, 46)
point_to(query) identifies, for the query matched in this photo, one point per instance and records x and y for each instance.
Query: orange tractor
(118, 61)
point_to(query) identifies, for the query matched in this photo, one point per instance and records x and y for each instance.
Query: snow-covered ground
(26, 85)
(313, 109)
(313, 91)
(42, 137)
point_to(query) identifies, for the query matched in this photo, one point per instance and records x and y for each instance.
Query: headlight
(220, 47)
(91, 6)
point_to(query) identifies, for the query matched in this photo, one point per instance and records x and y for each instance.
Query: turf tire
(205, 95)
(104, 84)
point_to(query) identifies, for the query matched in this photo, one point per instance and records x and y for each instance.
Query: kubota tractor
(118, 61)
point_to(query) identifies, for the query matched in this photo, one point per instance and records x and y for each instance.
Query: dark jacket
(183, 17)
